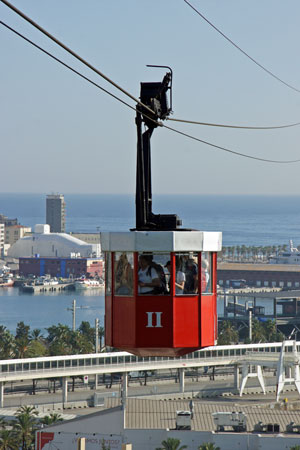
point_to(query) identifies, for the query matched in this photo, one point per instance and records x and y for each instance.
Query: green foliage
(51, 419)
(171, 444)
(208, 446)
(8, 440)
(103, 446)
(228, 334)
(6, 343)
(295, 447)
(25, 425)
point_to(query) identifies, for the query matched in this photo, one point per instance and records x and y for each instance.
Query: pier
(33, 288)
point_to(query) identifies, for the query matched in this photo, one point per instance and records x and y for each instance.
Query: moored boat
(86, 283)
(6, 282)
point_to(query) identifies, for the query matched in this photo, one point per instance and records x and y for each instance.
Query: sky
(61, 134)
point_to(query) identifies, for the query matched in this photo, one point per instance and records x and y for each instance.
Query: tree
(8, 440)
(171, 444)
(228, 334)
(22, 340)
(51, 419)
(25, 426)
(103, 446)
(258, 331)
(208, 446)
(7, 343)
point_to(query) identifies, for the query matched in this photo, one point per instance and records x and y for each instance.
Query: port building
(285, 276)
(56, 254)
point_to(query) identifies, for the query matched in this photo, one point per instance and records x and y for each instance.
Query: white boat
(291, 256)
(86, 283)
(6, 282)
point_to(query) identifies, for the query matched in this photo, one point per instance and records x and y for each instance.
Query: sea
(244, 220)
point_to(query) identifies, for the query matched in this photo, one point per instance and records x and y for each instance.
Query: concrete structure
(260, 275)
(146, 423)
(8, 222)
(50, 245)
(55, 213)
(15, 232)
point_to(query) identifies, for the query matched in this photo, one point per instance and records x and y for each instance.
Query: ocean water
(244, 220)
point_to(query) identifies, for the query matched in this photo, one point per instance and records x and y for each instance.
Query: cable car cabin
(160, 297)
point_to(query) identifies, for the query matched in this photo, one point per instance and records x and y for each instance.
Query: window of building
(258, 283)
(281, 283)
(266, 283)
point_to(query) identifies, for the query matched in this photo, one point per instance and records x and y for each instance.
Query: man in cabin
(191, 275)
(149, 280)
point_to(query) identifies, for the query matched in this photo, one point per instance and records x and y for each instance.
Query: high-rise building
(2, 239)
(55, 213)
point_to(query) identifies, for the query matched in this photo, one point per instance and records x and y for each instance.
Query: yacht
(291, 256)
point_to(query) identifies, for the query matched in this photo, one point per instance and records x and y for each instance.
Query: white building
(46, 244)
(148, 422)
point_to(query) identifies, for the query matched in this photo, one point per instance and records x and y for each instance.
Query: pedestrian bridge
(100, 363)
(123, 362)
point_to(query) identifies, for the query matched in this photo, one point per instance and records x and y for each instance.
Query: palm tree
(8, 440)
(51, 419)
(7, 342)
(228, 334)
(171, 444)
(258, 331)
(208, 446)
(25, 426)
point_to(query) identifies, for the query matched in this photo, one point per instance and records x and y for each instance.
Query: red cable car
(161, 280)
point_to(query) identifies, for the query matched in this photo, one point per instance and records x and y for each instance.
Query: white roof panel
(161, 241)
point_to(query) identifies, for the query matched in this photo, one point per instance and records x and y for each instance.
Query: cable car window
(123, 273)
(108, 273)
(153, 276)
(206, 272)
(180, 276)
(187, 263)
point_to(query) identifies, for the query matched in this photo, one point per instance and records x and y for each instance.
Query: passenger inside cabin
(180, 276)
(148, 278)
(204, 275)
(124, 276)
(191, 275)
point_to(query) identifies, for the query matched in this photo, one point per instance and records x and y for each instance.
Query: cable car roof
(161, 241)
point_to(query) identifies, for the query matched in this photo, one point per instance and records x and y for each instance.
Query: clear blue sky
(59, 133)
